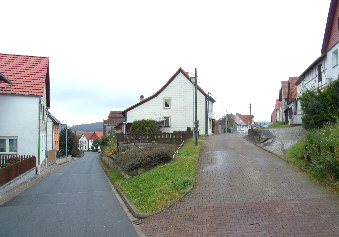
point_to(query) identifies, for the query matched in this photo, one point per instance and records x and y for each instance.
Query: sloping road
(76, 200)
(245, 191)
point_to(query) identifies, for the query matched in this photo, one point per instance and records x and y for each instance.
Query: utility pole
(250, 115)
(226, 120)
(66, 140)
(196, 113)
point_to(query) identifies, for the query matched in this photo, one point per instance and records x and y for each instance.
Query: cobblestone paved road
(245, 191)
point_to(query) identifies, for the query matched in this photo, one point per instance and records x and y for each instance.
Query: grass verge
(155, 189)
(278, 125)
(294, 157)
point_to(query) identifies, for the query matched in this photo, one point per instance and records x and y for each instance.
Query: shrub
(320, 107)
(325, 162)
(146, 158)
(104, 141)
(188, 129)
(110, 148)
(145, 126)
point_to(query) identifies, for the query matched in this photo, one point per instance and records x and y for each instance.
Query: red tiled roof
(162, 88)
(244, 119)
(88, 135)
(99, 134)
(29, 74)
(331, 19)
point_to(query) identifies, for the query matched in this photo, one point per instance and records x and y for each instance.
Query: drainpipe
(38, 164)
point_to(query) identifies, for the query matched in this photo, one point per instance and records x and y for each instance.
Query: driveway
(245, 191)
(76, 200)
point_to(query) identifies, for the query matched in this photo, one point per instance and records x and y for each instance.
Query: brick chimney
(142, 97)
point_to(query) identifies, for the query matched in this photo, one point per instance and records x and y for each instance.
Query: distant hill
(91, 127)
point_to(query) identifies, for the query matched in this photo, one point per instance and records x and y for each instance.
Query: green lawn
(155, 189)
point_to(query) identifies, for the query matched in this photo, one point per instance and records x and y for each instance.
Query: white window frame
(170, 102)
(335, 58)
(169, 121)
(7, 145)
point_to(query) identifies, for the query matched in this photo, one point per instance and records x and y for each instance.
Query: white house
(243, 122)
(325, 68)
(173, 104)
(84, 141)
(24, 105)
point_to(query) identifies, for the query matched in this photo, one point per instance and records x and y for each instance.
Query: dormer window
(167, 103)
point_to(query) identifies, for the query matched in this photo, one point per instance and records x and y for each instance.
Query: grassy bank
(155, 189)
(278, 125)
(323, 166)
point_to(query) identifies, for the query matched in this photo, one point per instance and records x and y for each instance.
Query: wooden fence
(19, 165)
(176, 137)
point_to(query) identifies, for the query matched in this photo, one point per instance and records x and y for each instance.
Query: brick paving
(245, 191)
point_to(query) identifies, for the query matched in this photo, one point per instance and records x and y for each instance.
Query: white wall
(310, 81)
(49, 134)
(180, 90)
(20, 118)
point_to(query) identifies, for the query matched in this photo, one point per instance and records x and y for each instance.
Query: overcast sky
(105, 54)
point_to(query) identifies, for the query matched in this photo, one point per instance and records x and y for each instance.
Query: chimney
(142, 97)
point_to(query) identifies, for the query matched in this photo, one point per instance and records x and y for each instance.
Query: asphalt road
(76, 200)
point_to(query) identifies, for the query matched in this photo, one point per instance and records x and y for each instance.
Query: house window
(167, 103)
(167, 122)
(9, 144)
(335, 58)
(2, 145)
(13, 145)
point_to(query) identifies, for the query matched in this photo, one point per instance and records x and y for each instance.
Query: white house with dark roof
(172, 106)
(325, 68)
(24, 104)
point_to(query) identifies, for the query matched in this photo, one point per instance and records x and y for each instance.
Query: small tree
(95, 145)
(145, 126)
(72, 145)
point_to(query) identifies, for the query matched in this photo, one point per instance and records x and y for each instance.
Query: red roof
(244, 119)
(162, 88)
(99, 134)
(88, 135)
(29, 74)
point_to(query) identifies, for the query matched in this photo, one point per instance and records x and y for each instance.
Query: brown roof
(115, 118)
(292, 93)
(162, 88)
(276, 104)
(284, 89)
(29, 74)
